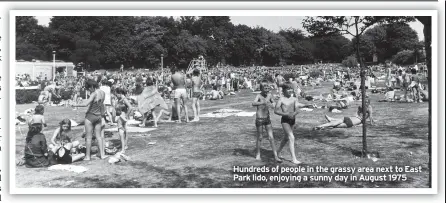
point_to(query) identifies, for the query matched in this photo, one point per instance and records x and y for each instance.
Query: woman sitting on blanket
(66, 150)
(150, 99)
(348, 122)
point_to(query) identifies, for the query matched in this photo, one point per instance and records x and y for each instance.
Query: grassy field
(202, 154)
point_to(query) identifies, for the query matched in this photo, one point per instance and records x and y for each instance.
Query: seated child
(38, 116)
(36, 151)
(63, 146)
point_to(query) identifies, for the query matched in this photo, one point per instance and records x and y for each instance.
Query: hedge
(27, 96)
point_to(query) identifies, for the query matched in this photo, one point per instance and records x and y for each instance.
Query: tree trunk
(362, 76)
(426, 21)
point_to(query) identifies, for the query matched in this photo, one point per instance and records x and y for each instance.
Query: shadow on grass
(407, 131)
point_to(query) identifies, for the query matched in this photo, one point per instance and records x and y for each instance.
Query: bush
(405, 57)
(26, 96)
(350, 61)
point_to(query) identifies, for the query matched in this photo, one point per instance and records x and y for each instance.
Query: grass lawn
(202, 154)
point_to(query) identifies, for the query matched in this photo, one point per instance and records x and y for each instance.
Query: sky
(273, 23)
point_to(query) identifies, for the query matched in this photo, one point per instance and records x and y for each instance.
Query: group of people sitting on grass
(110, 103)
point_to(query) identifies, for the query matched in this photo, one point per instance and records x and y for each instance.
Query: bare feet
(277, 159)
(258, 157)
(142, 125)
(296, 162)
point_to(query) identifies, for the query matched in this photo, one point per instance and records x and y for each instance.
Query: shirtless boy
(180, 93)
(262, 102)
(287, 107)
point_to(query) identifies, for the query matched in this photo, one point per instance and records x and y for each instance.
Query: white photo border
(433, 98)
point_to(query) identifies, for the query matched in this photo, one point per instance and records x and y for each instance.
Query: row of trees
(108, 41)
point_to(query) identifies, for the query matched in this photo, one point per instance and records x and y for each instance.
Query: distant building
(44, 69)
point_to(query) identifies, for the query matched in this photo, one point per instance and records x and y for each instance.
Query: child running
(262, 102)
(287, 107)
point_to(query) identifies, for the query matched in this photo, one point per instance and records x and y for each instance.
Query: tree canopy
(104, 42)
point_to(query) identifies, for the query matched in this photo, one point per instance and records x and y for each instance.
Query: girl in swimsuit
(94, 117)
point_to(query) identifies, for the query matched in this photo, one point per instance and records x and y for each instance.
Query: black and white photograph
(278, 100)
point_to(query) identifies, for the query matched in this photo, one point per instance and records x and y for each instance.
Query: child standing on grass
(262, 102)
(287, 107)
(121, 112)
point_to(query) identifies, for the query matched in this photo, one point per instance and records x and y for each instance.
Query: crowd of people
(115, 98)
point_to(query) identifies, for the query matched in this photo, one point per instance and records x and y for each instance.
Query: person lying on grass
(288, 107)
(215, 94)
(262, 103)
(63, 146)
(348, 122)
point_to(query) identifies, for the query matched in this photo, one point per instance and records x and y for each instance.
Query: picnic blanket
(131, 129)
(68, 167)
(222, 113)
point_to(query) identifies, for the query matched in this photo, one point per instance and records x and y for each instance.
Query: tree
(386, 40)
(32, 40)
(330, 25)
(426, 21)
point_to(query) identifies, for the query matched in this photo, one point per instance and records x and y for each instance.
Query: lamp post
(54, 65)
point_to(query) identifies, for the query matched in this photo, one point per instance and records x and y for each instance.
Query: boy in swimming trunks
(288, 107)
(262, 103)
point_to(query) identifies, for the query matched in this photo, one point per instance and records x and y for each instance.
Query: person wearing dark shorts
(290, 121)
(288, 107)
(262, 103)
(263, 121)
(348, 122)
